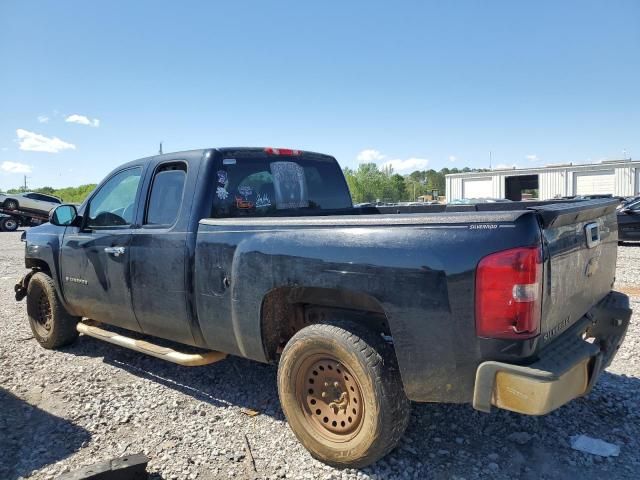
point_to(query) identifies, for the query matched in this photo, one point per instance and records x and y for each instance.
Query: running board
(169, 354)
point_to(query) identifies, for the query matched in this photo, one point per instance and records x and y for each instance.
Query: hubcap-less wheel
(10, 224)
(11, 205)
(330, 398)
(341, 392)
(44, 317)
(51, 324)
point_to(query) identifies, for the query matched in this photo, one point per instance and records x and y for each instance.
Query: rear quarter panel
(421, 275)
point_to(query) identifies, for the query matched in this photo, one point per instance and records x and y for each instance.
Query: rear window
(47, 198)
(268, 185)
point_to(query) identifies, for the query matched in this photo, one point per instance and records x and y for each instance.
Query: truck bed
(417, 269)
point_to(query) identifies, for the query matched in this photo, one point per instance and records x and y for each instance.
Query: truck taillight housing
(509, 294)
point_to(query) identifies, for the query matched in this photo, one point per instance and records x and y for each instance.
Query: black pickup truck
(259, 253)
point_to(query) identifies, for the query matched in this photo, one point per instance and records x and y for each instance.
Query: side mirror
(63, 215)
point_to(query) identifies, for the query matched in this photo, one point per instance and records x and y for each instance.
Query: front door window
(113, 205)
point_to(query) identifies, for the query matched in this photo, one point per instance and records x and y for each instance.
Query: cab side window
(114, 204)
(166, 194)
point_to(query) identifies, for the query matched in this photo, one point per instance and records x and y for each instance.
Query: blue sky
(87, 85)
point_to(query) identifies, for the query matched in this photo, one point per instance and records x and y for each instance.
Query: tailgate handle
(592, 232)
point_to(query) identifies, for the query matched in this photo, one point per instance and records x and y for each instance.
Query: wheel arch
(286, 310)
(38, 264)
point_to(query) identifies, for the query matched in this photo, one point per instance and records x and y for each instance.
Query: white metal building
(616, 177)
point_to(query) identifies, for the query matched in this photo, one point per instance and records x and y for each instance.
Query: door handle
(115, 251)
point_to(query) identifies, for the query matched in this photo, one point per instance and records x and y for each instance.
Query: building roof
(604, 165)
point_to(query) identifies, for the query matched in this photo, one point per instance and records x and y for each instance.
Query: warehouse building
(615, 177)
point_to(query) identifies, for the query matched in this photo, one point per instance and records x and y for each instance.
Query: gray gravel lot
(92, 401)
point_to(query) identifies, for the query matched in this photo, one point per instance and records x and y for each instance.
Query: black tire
(51, 324)
(9, 224)
(11, 205)
(347, 361)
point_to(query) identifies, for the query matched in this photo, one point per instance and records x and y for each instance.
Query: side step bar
(169, 354)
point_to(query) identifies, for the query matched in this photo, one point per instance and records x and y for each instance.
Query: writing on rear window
(264, 186)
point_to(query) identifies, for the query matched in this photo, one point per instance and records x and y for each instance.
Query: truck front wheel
(50, 323)
(341, 392)
(8, 224)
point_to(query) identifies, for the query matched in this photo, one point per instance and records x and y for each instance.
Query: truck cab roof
(196, 154)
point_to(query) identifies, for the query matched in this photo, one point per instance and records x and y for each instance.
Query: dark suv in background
(629, 221)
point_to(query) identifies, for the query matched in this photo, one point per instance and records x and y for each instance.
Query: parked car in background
(629, 201)
(417, 204)
(594, 196)
(629, 222)
(29, 201)
(473, 201)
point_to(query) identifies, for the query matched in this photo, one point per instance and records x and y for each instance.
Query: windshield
(278, 185)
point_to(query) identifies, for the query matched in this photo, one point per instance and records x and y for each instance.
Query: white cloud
(452, 158)
(532, 158)
(407, 165)
(82, 120)
(505, 166)
(14, 167)
(399, 165)
(370, 155)
(43, 119)
(34, 142)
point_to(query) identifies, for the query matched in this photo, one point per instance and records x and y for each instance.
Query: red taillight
(287, 152)
(509, 294)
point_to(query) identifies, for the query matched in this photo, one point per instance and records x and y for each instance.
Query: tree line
(369, 183)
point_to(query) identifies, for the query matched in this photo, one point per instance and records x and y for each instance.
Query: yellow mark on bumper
(533, 396)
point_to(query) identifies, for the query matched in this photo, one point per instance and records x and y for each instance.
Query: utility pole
(160, 151)
(490, 158)
(25, 183)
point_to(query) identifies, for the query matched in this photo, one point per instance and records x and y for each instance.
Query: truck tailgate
(580, 247)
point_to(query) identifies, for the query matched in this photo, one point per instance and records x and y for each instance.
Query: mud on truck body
(259, 253)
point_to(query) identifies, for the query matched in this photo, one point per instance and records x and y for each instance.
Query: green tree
(398, 188)
(369, 183)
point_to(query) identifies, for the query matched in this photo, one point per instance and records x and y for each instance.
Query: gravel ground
(92, 401)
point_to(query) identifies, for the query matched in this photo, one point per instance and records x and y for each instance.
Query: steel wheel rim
(45, 316)
(330, 397)
(10, 224)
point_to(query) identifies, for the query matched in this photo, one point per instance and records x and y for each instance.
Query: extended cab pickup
(259, 253)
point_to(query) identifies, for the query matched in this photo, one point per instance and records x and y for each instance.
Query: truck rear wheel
(51, 324)
(341, 392)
